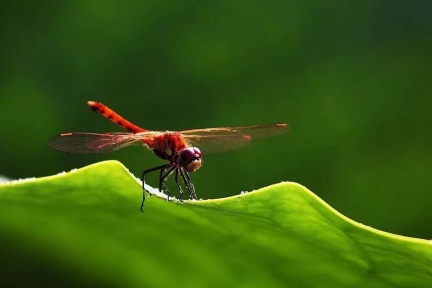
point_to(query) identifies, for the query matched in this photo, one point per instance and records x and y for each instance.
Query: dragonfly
(183, 150)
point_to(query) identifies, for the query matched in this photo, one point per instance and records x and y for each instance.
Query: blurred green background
(353, 79)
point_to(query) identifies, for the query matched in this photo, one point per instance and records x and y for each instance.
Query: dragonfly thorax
(167, 145)
(190, 158)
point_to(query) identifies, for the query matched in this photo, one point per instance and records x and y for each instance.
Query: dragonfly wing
(214, 140)
(90, 143)
(217, 143)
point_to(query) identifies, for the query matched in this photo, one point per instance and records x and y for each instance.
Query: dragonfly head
(190, 158)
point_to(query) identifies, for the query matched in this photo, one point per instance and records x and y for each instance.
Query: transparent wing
(215, 140)
(89, 143)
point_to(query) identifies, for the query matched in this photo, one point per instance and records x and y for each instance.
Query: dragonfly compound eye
(190, 158)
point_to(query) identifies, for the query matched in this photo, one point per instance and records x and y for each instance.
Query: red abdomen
(114, 117)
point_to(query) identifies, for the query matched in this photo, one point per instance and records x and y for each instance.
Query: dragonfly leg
(189, 185)
(163, 178)
(178, 185)
(162, 170)
(143, 181)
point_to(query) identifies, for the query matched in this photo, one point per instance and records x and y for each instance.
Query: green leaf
(85, 228)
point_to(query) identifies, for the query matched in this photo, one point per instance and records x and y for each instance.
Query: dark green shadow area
(85, 228)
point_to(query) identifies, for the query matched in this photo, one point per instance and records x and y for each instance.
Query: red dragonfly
(179, 148)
